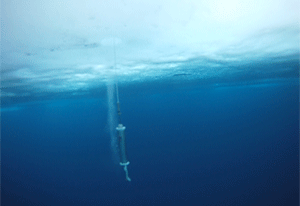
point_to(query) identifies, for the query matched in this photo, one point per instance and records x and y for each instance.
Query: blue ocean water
(209, 95)
(233, 143)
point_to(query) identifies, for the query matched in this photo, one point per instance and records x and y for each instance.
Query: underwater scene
(150, 103)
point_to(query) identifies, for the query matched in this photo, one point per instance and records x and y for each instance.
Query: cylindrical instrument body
(122, 144)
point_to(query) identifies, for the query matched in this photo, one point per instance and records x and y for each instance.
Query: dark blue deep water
(189, 144)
